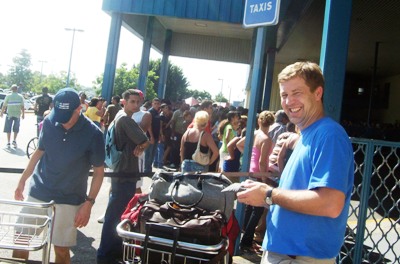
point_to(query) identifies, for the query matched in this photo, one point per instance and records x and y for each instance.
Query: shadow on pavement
(84, 252)
(16, 151)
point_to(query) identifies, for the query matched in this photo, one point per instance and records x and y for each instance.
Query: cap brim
(60, 116)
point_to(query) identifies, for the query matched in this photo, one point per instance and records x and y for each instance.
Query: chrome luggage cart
(140, 248)
(26, 231)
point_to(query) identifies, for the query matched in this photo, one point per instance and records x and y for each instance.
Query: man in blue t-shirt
(308, 211)
(69, 145)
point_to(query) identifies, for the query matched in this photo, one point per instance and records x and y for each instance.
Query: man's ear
(319, 92)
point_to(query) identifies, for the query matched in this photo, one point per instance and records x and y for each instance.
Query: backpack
(113, 155)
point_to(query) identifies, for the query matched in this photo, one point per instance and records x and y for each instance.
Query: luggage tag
(234, 187)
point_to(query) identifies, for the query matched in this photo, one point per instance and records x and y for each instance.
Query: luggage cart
(140, 248)
(26, 231)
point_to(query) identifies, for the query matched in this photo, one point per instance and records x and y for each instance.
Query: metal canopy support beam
(251, 120)
(271, 52)
(164, 65)
(334, 49)
(144, 62)
(111, 58)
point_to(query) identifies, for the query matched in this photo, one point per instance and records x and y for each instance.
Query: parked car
(28, 105)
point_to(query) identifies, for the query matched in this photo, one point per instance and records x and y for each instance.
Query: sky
(39, 27)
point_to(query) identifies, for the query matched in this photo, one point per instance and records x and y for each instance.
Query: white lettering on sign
(262, 7)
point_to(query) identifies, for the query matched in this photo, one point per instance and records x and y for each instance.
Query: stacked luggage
(185, 218)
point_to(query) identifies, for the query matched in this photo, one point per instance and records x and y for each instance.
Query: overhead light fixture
(199, 24)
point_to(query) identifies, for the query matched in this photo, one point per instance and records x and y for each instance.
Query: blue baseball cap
(65, 102)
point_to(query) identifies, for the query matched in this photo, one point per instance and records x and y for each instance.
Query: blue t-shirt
(323, 157)
(62, 172)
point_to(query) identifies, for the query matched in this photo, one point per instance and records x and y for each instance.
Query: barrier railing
(373, 228)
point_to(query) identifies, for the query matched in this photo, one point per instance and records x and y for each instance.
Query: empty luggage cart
(26, 231)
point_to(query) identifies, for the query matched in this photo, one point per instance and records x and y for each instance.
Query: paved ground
(88, 237)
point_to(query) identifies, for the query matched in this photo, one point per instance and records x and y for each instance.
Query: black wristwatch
(268, 197)
(91, 200)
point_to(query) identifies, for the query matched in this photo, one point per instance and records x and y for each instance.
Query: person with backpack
(131, 141)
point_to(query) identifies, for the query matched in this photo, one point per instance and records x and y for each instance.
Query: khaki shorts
(64, 230)
(272, 258)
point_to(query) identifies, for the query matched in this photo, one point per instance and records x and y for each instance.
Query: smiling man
(308, 211)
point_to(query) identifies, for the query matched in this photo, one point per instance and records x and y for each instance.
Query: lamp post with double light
(72, 48)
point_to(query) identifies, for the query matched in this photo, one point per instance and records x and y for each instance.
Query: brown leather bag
(196, 225)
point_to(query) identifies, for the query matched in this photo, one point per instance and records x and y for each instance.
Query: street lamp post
(222, 84)
(41, 69)
(72, 48)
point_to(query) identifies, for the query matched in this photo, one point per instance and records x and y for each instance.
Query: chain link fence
(373, 227)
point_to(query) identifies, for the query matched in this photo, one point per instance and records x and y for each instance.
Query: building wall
(392, 113)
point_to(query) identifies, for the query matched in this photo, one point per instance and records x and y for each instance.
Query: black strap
(175, 189)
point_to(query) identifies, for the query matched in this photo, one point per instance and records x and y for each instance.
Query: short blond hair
(310, 72)
(201, 118)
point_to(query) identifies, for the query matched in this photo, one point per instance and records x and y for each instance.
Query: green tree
(176, 85)
(220, 98)
(126, 78)
(3, 81)
(202, 95)
(20, 72)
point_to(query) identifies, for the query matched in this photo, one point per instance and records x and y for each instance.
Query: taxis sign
(261, 13)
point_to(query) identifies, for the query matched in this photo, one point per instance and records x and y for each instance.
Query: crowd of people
(294, 221)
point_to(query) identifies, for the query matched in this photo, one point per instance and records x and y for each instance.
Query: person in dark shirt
(111, 112)
(155, 128)
(132, 141)
(42, 104)
(69, 146)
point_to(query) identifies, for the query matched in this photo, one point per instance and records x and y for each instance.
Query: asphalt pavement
(15, 160)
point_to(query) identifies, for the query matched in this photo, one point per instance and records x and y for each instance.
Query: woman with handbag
(196, 146)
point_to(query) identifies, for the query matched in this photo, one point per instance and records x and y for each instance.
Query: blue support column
(251, 120)
(271, 52)
(164, 65)
(334, 49)
(144, 62)
(111, 58)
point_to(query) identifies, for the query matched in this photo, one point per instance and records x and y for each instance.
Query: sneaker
(8, 145)
(253, 249)
(100, 220)
(14, 144)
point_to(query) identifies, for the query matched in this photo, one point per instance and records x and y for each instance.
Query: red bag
(132, 210)
(231, 230)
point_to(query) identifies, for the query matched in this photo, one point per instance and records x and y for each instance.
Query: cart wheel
(32, 146)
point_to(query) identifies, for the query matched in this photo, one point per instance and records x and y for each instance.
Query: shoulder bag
(200, 157)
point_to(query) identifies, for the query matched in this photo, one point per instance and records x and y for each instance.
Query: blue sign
(261, 13)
